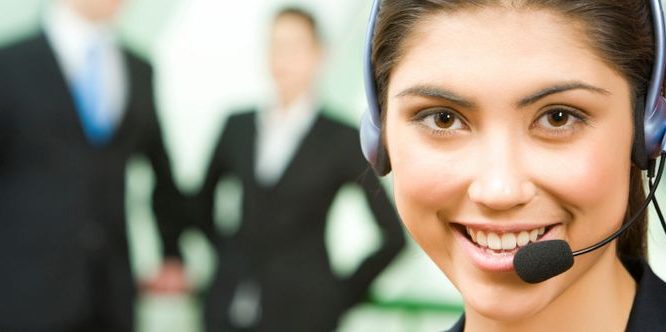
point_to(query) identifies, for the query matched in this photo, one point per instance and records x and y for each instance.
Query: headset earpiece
(370, 131)
(654, 123)
(372, 146)
(654, 129)
(369, 138)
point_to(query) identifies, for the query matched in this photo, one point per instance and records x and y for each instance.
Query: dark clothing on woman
(648, 312)
(279, 248)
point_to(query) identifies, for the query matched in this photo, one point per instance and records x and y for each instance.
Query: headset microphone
(540, 261)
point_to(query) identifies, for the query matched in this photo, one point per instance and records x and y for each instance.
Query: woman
(274, 272)
(511, 122)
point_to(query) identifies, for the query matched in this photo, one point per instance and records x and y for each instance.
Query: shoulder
(239, 125)
(340, 146)
(242, 117)
(20, 51)
(24, 61)
(459, 326)
(137, 64)
(346, 135)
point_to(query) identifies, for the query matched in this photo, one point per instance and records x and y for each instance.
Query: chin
(505, 298)
(503, 309)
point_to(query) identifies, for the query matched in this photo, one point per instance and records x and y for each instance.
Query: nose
(501, 181)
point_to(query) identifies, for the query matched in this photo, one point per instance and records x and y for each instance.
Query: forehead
(484, 45)
(289, 24)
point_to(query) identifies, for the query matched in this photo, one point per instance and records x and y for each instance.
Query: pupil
(558, 119)
(444, 120)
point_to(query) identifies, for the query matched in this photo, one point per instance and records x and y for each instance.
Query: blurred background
(209, 58)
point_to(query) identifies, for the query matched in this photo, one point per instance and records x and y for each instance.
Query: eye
(440, 120)
(445, 120)
(557, 118)
(560, 121)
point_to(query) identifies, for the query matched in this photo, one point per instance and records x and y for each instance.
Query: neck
(601, 298)
(287, 101)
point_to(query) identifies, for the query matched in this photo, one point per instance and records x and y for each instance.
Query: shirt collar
(71, 35)
(302, 110)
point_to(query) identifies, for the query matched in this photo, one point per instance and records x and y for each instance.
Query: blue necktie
(88, 91)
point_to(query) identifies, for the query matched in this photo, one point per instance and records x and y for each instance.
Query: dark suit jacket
(63, 244)
(280, 242)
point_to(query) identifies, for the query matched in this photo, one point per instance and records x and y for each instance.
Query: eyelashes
(560, 121)
(440, 121)
(552, 122)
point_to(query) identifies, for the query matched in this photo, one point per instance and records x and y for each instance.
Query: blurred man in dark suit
(274, 273)
(74, 106)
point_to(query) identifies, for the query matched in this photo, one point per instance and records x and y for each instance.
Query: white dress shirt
(280, 132)
(72, 37)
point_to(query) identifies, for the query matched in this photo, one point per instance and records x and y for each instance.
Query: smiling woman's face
(504, 127)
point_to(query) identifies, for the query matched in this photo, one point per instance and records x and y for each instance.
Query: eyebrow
(429, 91)
(559, 88)
(436, 92)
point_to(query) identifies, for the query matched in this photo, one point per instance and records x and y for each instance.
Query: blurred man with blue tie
(74, 107)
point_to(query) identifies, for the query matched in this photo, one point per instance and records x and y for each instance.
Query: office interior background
(209, 60)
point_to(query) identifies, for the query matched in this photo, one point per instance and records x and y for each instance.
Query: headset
(543, 260)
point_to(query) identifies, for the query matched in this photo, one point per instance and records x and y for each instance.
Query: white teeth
(508, 241)
(534, 234)
(523, 238)
(494, 241)
(481, 239)
(471, 233)
(505, 241)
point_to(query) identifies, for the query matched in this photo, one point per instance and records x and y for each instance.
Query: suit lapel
(303, 152)
(56, 97)
(59, 96)
(127, 114)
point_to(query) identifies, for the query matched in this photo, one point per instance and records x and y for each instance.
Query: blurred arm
(392, 235)
(168, 203)
(203, 204)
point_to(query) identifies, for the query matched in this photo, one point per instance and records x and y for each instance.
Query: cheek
(424, 182)
(421, 177)
(592, 181)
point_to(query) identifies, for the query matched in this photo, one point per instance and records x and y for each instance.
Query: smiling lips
(504, 241)
(493, 250)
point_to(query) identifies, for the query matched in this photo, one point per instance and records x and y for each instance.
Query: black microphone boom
(540, 261)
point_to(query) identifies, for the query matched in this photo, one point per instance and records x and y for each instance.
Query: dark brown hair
(620, 31)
